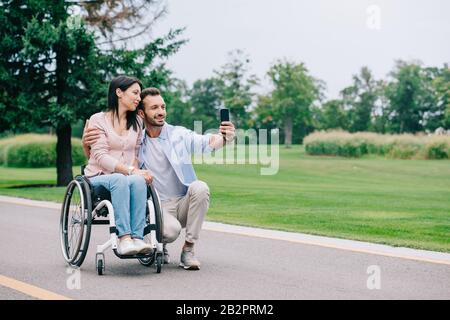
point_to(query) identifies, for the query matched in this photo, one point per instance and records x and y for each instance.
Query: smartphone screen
(224, 115)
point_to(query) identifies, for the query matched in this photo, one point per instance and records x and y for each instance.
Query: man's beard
(153, 122)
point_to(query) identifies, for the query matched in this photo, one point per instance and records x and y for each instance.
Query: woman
(113, 162)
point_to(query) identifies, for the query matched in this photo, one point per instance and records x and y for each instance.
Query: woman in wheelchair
(113, 163)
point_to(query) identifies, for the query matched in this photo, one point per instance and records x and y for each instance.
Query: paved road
(233, 267)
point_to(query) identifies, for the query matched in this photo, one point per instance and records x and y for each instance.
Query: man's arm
(90, 136)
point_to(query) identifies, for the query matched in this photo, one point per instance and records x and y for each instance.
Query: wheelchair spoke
(75, 220)
(71, 245)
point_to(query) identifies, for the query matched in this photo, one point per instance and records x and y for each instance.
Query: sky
(334, 38)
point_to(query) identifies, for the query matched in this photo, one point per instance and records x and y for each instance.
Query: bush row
(35, 151)
(406, 146)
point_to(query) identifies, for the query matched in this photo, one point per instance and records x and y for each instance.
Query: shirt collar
(162, 136)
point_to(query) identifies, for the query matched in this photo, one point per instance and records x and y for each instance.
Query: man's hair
(148, 92)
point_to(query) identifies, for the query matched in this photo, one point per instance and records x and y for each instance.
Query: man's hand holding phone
(226, 126)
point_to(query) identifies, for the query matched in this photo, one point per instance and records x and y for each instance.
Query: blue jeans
(129, 199)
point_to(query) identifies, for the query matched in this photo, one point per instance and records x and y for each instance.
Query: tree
(331, 115)
(179, 109)
(360, 100)
(409, 97)
(264, 112)
(236, 88)
(439, 85)
(293, 96)
(118, 21)
(14, 106)
(52, 69)
(442, 84)
(206, 100)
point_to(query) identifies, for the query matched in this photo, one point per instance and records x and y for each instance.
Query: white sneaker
(142, 246)
(127, 247)
(188, 261)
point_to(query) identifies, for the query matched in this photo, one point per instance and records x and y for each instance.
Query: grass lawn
(396, 202)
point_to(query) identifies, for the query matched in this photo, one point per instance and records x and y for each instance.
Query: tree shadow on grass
(23, 186)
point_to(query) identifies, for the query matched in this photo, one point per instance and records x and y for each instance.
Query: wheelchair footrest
(135, 256)
(100, 222)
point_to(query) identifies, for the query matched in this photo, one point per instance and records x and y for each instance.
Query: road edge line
(30, 289)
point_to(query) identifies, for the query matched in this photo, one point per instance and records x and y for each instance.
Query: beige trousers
(186, 212)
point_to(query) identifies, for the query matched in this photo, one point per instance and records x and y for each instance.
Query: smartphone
(224, 115)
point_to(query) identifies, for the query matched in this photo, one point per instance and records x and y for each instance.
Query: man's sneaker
(188, 261)
(166, 255)
(127, 247)
(142, 246)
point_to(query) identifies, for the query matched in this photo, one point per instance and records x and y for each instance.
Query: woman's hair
(122, 83)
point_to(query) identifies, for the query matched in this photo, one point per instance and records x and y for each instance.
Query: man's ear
(141, 113)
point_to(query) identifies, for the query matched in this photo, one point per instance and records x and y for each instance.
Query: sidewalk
(334, 243)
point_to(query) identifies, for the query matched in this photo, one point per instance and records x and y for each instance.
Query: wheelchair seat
(100, 193)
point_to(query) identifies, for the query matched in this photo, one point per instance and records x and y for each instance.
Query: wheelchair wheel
(75, 222)
(159, 225)
(158, 214)
(159, 262)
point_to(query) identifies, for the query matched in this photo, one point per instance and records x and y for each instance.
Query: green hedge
(438, 150)
(35, 151)
(344, 144)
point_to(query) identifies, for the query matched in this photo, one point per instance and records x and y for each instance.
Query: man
(166, 152)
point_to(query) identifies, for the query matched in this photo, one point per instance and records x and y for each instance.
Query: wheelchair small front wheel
(75, 222)
(100, 263)
(159, 262)
(100, 267)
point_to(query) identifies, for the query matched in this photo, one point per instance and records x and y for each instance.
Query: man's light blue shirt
(178, 144)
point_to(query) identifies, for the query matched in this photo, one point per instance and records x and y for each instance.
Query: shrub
(31, 155)
(34, 151)
(438, 149)
(351, 148)
(405, 150)
(406, 146)
(3, 153)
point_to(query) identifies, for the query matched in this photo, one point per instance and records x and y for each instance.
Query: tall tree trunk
(64, 155)
(63, 128)
(288, 132)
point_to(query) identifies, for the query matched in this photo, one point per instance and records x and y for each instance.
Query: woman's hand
(144, 173)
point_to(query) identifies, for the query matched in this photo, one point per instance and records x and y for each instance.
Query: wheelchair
(85, 205)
